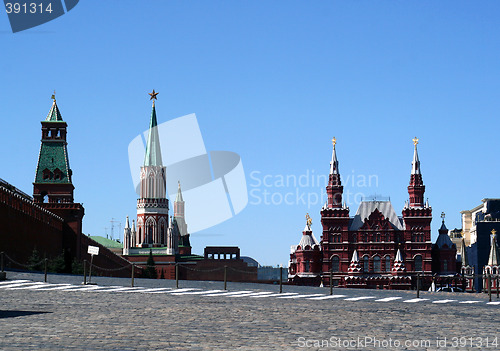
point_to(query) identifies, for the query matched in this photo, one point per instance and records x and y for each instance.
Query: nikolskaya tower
(152, 228)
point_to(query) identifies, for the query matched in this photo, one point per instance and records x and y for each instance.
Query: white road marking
(34, 286)
(230, 293)
(275, 295)
(494, 303)
(471, 301)
(359, 298)
(253, 294)
(196, 292)
(299, 296)
(60, 287)
(7, 282)
(388, 299)
(18, 284)
(326, 297)
(443, 301)
(415, 300)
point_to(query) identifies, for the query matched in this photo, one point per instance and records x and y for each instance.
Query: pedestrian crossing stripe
(359, 298)
(389, 299)
(22, 284)
(195, 292)
(326, 297)
(12, 281)
(299, 296)
(229, 293)
(253, 294)
(275, 294)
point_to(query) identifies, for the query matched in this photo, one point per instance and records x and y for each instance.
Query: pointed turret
(415, 164)
(334, 188)
(178, 198)
(354, 266)
(416, 188)
(153, 150)
(334, 163)
(127, 237)
(53, 174)
(463, 254)
(54, 114)
(398, 266)
(308, 239)
(493, 259)
(443, 237)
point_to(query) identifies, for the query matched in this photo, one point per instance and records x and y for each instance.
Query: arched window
(376, 264)
(445, 266)
(335, 263)
(365, 264)
(307, 266)
(387, 263)
(354, 238)
(418, 263)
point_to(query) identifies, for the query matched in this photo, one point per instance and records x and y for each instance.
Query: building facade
(376, 248)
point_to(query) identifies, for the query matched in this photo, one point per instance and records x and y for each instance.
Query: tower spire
(416, 188)
(334, 188)
(334, 163)
(493, 259)
(179, 193)
(153, 150)
(415, 164)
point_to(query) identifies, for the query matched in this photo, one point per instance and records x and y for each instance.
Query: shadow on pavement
(10, 314)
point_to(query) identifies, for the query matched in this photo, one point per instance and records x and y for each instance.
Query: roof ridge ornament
(53, 97)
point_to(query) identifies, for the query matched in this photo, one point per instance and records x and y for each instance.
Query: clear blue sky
(273, 81)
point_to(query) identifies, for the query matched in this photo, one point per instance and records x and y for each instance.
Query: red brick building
(374, 249)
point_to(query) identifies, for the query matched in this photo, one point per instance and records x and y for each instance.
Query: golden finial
(493, 231)
(53, 97)
(334, 141)
(309, 219)
(153, 96)
(415, 141)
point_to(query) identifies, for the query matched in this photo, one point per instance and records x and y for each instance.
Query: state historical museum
(374, 249)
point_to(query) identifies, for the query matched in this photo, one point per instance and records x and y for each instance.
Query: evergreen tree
(35, 261)
(150, 271)
(76, 267)
(57, 264)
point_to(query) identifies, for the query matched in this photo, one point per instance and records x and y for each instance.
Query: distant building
(374, 249)
(477, 226)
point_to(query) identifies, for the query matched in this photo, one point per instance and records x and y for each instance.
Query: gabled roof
(366, 208)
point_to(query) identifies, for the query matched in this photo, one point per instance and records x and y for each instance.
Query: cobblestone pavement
(65, 315)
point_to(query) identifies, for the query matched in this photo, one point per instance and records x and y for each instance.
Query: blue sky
(273, 81)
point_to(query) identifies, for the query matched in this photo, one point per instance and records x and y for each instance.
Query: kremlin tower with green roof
(53, 188)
